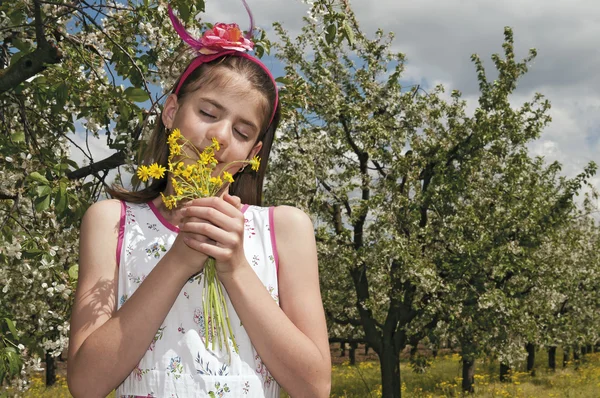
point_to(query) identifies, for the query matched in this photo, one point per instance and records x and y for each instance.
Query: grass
(442, 379)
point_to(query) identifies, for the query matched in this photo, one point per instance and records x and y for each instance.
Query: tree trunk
(576, 356)
(342, 348)
(434, 353)
(590, 349)
(389, 359)
(468, 375)
(50, 370)
(366, 349)
(530, 347)
(552, 358)
(353, 353)
(576, 353)
(584, 351)
(504, 373)
(566, 355)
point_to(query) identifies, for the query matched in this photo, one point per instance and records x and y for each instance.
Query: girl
(137, 322)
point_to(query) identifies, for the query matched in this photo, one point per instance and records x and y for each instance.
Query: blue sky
(438, 38)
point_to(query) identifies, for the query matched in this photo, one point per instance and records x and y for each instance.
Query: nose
(221, 131)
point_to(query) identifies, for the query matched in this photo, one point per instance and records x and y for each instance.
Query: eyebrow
(222, 108)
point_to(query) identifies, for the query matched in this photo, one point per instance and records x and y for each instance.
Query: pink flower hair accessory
(223, 39)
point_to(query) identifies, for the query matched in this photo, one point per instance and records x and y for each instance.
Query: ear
(255, 150)
(170, 110)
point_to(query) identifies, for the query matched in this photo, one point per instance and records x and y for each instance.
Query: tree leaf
(17, 137)
(42, 203)
(74, 272)
(348, 33)
(11, 327)
(43, 190)
(35, 176)
(136, 94)
(330, 35)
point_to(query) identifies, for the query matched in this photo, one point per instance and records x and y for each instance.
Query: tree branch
(33, 63)
(115, 160)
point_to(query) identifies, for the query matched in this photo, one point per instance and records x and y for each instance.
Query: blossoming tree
(427, 218)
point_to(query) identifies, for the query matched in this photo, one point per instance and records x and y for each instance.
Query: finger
(216, 203)
(235, 201)
(194, 240)
(216, 252)
(212, 232)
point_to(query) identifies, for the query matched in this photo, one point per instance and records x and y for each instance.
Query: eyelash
(245, 137)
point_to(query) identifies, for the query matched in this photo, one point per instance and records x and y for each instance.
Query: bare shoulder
(290, 220)
(98, 237)
(296, 244)
(102, 213)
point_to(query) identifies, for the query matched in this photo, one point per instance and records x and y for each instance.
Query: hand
(184, 255)
(220, 223)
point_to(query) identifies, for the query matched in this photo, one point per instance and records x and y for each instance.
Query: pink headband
(222, 39)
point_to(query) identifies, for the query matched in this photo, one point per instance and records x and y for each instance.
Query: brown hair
(248, 184)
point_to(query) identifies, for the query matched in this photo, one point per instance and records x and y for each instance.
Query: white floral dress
(177, 362)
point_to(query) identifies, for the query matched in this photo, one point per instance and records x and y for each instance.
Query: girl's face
(232, 113)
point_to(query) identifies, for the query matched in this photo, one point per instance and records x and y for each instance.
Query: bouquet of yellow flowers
(192, 177)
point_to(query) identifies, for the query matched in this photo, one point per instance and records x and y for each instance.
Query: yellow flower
(174, 149)
(176, 187)
(168, 201)
(174, 136)
(205, 158)
(142, 173)
(215, 144)
(156, 171)
(216, 181)
(255, 163)
(188, 171)
(227, 176)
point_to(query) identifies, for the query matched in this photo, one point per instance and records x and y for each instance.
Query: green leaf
(11, 327)
(42, 203)
(184, 11)
(283, 80)
(17, 57)
(43, 190)
(348, 33)
(330, 35)
(61, 198)
(74, 272)
(136, 94)
(200, 6)
(35, 176)
(62, 95)
(19, 136)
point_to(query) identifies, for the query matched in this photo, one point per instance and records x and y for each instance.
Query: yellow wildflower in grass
(142, 173)
(198, 180)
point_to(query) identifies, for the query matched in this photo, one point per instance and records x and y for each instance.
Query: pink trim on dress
(244, 208)
(121, 232)
(273, 241)
(161, 218)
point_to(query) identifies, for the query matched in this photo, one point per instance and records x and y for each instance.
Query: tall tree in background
(429, 214)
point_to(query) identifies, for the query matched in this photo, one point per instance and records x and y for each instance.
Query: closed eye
(207, 114)
(242, 135)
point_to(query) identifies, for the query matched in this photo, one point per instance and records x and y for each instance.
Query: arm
(106, 344)
(291, 340)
